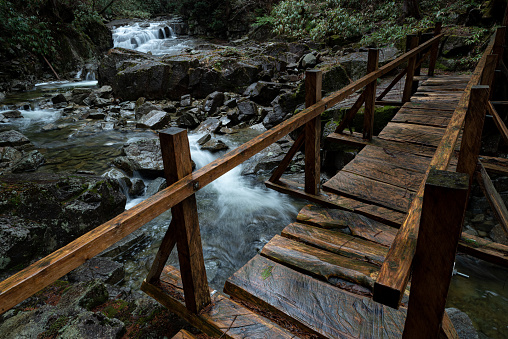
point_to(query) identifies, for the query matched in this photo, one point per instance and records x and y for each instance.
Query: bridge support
(313, 83)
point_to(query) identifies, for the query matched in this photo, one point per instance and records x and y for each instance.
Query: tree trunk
(411, 8)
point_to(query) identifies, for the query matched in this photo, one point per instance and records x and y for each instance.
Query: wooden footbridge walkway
(343, 268)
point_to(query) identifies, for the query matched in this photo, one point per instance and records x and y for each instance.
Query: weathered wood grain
(404, 159)
(359, 225)
(337, 242)
(313, 304)
(420, 119)
(385, 172)
(412, 42)
(501, 126)
(371, 191)
(313, 84)
(494, 164)
(417, 134)
(222, 318)
(370, 95)
(444, 205)
(484, 249)
(183, 334)
(321, 264)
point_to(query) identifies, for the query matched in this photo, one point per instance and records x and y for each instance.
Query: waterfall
(154, 37)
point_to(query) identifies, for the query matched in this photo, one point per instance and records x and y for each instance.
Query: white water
(156, 38)
(34, 118)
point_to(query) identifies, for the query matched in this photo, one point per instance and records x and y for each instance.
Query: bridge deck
(319, 274)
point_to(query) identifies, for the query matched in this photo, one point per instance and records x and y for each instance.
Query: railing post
(473, 128)
(444, 204)
(370, 95)
(313, 82)
(184, 228)
(499, 42)
(434, 50)
(412, 42)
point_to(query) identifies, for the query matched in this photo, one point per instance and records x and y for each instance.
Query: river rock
(144, 109)
(154, 120)
(308, 61)
(157, 185)
(188, 120)
(262, 92)
(247, 111)
(265, 161)
(210, 125)
(214, 145)
(463, 325)
(58, 99)
(335, 77)
(213, 102)
(18, 154)
(137, 188)
(204, 139)
(145, 157)
(274, 117)
(104, 269)
(498, 234)
(50, 210)
(13, 114)
(456, 45)
(80, 94)
(185, 100)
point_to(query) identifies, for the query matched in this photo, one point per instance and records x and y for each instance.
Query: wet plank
(495, 165)
(418, 134)
(337, 242)
(183, 334)
(222, 318)
(484, 249)
(331, 267)
(312, 304)
(371, 191)
(421, 119)
(407, 160)
(358, 225)
(386, 172)
(440, 106)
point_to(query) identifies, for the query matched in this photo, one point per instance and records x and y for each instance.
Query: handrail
(396, 269)
(25, 283)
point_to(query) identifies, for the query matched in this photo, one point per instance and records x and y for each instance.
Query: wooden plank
(183, 334)
(370, 95)
(444, 205)
(495, 165)
(421, 119)
(499, 122)
(337, 242)
(385, 172)
(312, 304)
(404, 159)
(395, 271)
(495, 201)
(484, 249)
(313, 82)
(337, 270)
(371, 191)
(358, 225)
(222, 318)
(473, 128)
(357, 140)
(441, 106)
(429, 112)
(417, 134)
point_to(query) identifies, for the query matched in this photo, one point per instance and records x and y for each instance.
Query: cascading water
(156, 38)
(236, 215)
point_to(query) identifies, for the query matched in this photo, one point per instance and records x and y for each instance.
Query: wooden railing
(184, 229)
(426, 243)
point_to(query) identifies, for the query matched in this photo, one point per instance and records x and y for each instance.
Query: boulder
(188, 120)
(186, 100)
(214, 145)
(157, 185)
(104, 269)
(274, 117)
(18, 154)
(210, 125)
(13, 114)
(145, 157)
(308, 61)
(355, 63)
(144, 109)
(463, 325)
(154, 120)
(334, 77)
(137, 188)
(263, 93)
(58, 99)
(79, 94)
(247, 111)
(213, 102)
(50, 210)
(455, 45)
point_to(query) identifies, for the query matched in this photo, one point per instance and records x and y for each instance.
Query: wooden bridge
(342, 269)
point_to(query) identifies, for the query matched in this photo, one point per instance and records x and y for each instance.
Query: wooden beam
(393, 83)
(444, 204)
(473, 128)
(277, 173)
(177, 164)
(489, 71)
(499, 122)
(434, 50)
(411, 66)
(495, 165)
(395, 272)
(313, 85)
(47, 270)
(348, 118)
(499, 42)
(370, 95)
(165, 249)
(495, 201)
